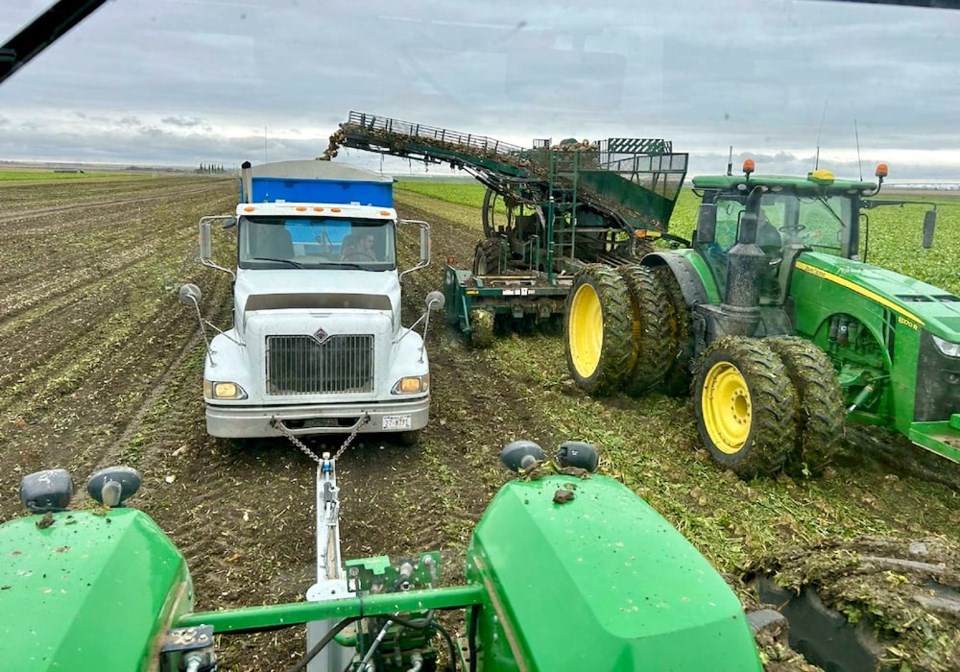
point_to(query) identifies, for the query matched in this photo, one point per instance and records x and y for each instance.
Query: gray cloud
(200, 79)
(184, 122)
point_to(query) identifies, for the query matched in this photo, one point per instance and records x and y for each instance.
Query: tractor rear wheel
(745, 406)
(487, 259)
(676, 382)
(820, 399)
(652, 340)
(598, 326)
(481, 328)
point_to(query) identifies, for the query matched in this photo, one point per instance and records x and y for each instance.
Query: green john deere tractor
(778, 327)
(565, 571)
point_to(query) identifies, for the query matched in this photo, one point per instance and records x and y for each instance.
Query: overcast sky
(177, 82)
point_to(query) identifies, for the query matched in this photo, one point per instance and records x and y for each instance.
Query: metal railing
(372, 122)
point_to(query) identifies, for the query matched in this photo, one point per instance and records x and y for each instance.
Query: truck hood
(933, 308)
(285, 289)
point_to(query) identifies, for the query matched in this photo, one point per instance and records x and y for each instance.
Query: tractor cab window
(316, 243)
(825, 224)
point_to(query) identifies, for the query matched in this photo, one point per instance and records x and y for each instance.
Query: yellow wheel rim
(725, 402)
(585, 330)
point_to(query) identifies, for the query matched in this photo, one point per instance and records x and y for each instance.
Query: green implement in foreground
(548, 210)
(778, 324)
(562, 573)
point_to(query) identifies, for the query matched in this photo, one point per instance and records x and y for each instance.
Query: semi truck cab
(317, 344)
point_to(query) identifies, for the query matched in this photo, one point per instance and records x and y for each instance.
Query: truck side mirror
(424, 245)
(929, 227)
(707, 223)
(206, 241)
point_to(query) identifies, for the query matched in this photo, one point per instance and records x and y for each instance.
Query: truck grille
(301, 365)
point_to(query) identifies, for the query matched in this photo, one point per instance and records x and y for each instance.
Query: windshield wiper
(293, 263)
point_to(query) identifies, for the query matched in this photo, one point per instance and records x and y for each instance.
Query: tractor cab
(784, 217)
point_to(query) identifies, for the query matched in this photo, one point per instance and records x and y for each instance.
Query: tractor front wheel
(820, 399)
(598, 327)
(745, 406)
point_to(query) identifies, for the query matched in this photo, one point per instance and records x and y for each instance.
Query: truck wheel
(820, 399)
(676, 382)
(745, 406)
(486, 257)
(409, 439)
(481, 328)
(598, 327)
(652, 341)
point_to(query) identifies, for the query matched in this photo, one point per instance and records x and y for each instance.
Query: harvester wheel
(652, 342)
(598, 327)
(676, 382)
(486, 257)
(481, 328)
(745, 405)
(820, 399)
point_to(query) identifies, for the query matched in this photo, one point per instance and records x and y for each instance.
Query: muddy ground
(99, 364)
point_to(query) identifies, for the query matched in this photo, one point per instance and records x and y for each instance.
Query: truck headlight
(412, 385)
(946, 347)
(222, 389)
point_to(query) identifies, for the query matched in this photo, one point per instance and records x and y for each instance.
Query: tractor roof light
(881, 171)
(748, 167)
(821, 176)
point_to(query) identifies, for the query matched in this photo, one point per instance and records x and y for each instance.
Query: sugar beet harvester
(563, 573)
(547, 211)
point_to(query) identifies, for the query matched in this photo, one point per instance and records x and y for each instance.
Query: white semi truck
(317, 345)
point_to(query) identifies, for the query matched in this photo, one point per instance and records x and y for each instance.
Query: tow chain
(278, 425)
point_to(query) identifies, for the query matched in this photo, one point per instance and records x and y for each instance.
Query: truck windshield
(316, 243)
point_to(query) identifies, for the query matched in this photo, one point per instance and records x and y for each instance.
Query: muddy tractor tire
(676, 381)
(481, 328)
(868, 603)
(487, 257)
(598, 329)
(652, 340)
(820, 401)
(745, 406)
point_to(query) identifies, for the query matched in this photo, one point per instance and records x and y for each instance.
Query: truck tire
(745, 406)
(486, 257)
(409, 439)
(653, 344)
(820, 400)
(598, 329)
(481, 328)
(676, 381)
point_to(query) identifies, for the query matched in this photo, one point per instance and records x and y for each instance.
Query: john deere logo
(321, 336)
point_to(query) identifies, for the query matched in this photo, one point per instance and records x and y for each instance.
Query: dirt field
(99, 364)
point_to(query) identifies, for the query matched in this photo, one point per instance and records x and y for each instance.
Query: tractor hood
(607, 569)
(932, 308)
(87, 592)
(316, 289)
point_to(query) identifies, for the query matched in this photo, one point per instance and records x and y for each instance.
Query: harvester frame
(547, 211)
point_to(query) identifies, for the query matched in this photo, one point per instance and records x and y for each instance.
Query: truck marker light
(318, 209)
(334, 209)
(249, 208)
(301, 208)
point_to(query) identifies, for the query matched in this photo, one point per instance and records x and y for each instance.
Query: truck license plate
(397, 422)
